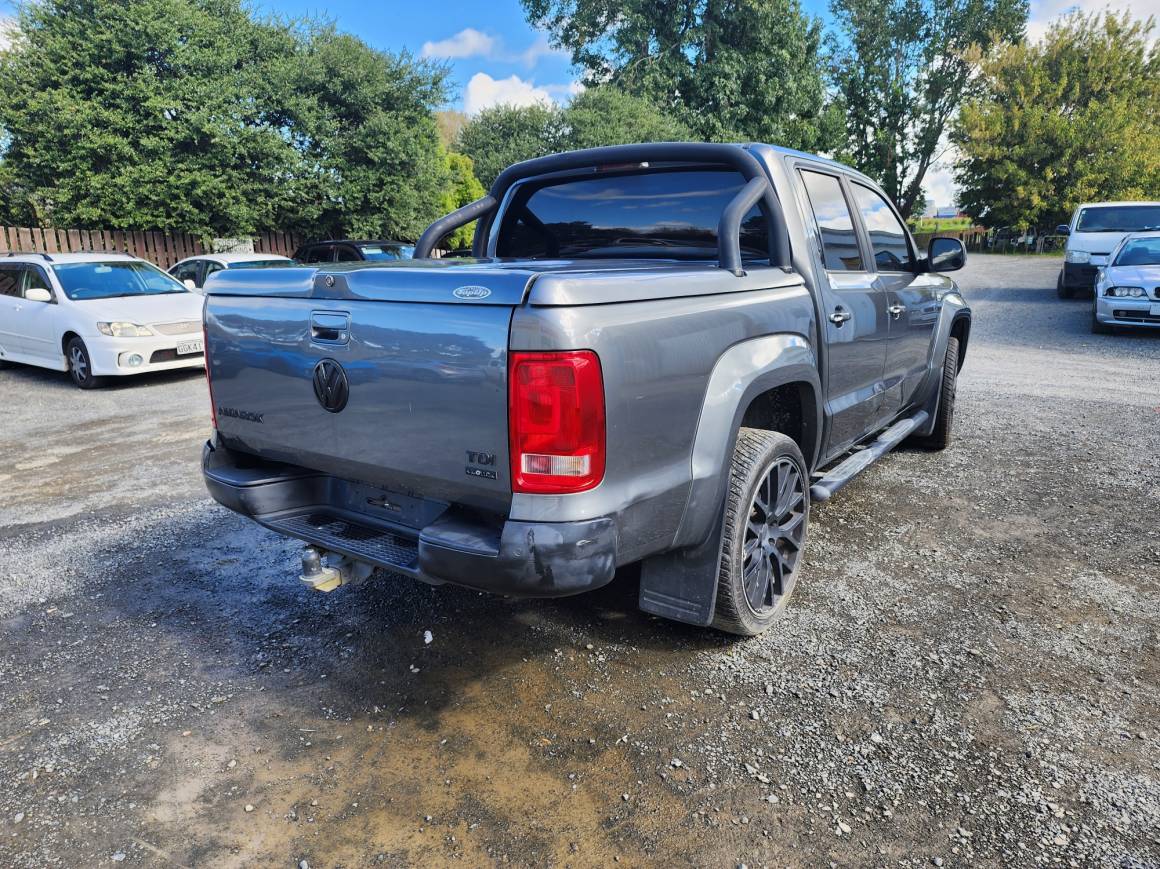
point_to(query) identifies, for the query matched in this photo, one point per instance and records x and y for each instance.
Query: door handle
(896, 310)
(329, 328)
(840, 316)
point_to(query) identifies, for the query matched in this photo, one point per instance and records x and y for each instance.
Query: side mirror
(37, 294)
(190, 285)
(945, 255)
(1063, 229)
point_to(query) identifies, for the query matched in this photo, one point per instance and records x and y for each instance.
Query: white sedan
(96, 315)
(1127, 291)
(193, 270)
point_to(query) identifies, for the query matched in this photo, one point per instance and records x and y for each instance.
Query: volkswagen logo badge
(328, 280)
(471, 292)
(331, 387)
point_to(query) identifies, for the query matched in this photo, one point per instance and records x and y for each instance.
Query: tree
(368, 147)
(728, 69)
(502, 135)
(464, 188)
(1073, 118)
(609, 116)
(901, 71)
(192, 115)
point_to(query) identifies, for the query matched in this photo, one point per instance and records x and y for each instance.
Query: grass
(941, 224)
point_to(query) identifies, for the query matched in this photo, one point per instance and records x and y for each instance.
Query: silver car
(1127, 291)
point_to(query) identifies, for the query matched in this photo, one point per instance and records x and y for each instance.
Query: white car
(1094, 231)
(1127, 289)
(193, 270)
(96, 315)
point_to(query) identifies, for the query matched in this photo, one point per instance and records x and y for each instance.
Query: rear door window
(887, 234)
(659, 213)
(347, 254)
(320, 253)
(10, 280)
(839, 242)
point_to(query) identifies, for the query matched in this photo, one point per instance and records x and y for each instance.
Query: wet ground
(968, 674)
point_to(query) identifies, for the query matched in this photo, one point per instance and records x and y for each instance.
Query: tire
(1060, 290)
(1099, 328)
(940, 437)
(753, 589)
(80, 365)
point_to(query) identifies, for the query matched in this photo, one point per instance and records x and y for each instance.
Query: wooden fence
(161, 248)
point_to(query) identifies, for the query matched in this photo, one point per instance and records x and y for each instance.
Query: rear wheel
(767, 512)
(940, 437)
(80, 365)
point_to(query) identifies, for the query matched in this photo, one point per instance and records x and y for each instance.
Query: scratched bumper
(427, 541)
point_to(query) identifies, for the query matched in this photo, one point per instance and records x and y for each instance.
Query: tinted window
(347, 254)
(840, 251)
(380, 252)
(1119, 218)
(319, 254)
(669, 214)
(10, 280)
(186, 271)
(887, 235)
(35, 278)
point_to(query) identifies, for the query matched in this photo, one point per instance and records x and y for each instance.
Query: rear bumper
(524, 559)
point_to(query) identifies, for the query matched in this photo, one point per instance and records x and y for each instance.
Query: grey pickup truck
(656, 355)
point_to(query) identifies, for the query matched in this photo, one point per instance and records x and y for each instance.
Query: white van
(1093, 233)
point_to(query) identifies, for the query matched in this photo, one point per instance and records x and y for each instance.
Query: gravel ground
(968, 674)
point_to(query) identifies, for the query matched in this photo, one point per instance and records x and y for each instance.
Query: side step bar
(838, 476)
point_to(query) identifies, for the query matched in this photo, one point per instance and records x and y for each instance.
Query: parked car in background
(1095, 230)
(193, 270)
(1128, 287)
(351, 250)
(96, 315)
(659, 354)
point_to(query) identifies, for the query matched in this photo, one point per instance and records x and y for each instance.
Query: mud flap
(682, 585)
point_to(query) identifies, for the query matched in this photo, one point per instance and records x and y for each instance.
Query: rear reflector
(556, 422)
(208, 382)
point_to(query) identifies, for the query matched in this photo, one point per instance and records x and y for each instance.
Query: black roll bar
(757, 191)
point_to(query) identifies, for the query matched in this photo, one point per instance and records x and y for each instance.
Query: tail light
(556, 422)
(208, 382)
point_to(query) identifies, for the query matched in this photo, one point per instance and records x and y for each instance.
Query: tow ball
(326, 571)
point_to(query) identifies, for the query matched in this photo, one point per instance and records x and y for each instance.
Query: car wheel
(1099, 328)
(1060, 290)
(940, 437)
(80, 366)
(767, 511)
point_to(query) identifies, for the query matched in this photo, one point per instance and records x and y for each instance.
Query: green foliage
(609, 116)
(1074, 118)
(464, 188)
(901, 70)
(193, 115)
(503, 135)
(728, 69)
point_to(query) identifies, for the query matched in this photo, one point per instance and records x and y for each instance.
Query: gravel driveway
(968, 675)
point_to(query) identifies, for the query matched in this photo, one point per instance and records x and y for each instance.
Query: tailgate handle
(327, 327)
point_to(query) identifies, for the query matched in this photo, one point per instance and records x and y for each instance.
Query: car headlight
(1126, 292)
(1079, 256)
(124, 330)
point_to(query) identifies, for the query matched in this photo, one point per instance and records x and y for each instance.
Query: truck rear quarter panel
(656, 356)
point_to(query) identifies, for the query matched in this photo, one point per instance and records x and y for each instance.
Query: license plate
(187, 347)
(1154, 310)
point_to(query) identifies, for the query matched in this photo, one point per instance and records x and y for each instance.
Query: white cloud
(1044, 12)
(939, 185)
(7, 25)
(483, 92)
(468, 42)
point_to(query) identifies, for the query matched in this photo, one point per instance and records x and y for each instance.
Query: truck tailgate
(348, 375)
